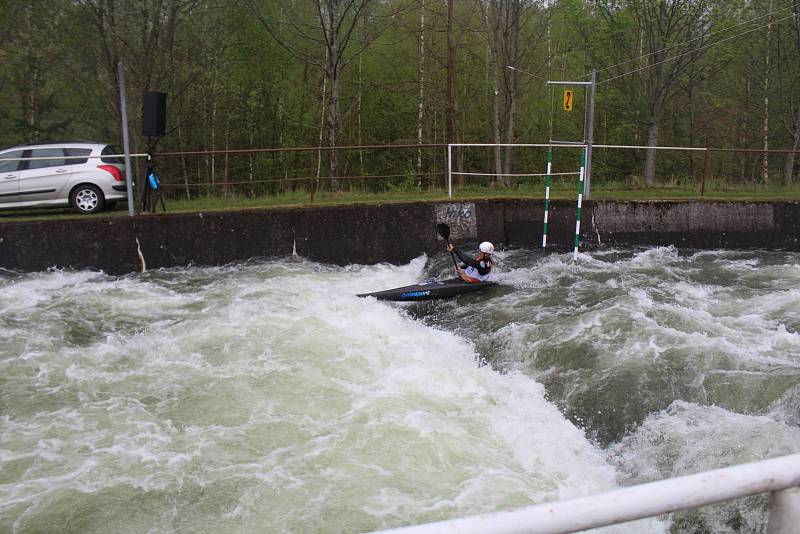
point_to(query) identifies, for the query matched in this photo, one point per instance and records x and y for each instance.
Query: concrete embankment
(392, 233)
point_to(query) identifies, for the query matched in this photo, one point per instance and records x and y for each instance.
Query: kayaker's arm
(469, 262)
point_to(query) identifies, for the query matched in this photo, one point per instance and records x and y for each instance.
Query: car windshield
(107, 151)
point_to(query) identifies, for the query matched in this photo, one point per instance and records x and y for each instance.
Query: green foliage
(233, 85)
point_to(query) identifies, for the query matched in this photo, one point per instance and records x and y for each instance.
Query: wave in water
(263, 396)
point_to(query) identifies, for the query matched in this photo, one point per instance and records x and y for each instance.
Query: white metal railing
(450, 172)
(781, 476)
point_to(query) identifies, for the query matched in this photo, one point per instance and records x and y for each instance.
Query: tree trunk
(460, 160)
(492, 59)
(743, 141)
(511, 96)
(510, 126)
(227, 148)
(652, 142)
(765, 129)
(184, 165)
(692, 126)
(213, 139)
(450, 66)
(281, 167)
(30, 102)
(359, 141)
(452, 133)
(323, 100)
(333, 131)
(421, 98)
(496, 133)
(333, 71)
(204, 140)
(252, 128)
(788, 168)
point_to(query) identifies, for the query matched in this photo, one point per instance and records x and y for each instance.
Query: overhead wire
(692, 51)
(676, 45)
(721, 31)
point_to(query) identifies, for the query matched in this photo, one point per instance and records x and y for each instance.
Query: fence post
(784, 511)
(449, 171)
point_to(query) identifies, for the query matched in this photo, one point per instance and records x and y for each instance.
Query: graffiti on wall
(460, 217)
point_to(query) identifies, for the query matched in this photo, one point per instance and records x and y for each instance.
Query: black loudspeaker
(154, 114)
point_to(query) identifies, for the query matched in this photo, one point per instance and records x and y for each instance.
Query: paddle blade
(443, 230)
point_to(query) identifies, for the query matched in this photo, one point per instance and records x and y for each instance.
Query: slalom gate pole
(580, 203)
(548, 183)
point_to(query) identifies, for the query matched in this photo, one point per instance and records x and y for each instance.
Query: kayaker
(477, 269)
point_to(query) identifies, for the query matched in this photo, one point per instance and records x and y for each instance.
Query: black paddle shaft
(443, 230)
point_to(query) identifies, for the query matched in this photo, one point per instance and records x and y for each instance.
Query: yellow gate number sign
(567, 100)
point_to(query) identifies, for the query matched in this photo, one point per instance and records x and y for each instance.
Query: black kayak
(435, 289)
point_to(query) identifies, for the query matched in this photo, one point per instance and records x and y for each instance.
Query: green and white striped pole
(580, 205)
(548, 183)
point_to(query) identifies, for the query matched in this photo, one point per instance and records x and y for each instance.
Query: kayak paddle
(443, 230)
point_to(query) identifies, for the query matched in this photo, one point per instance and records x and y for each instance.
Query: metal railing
(365, 169)
(780, 476)
(451, 172)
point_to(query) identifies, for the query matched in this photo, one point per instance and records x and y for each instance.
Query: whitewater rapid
(265, 396)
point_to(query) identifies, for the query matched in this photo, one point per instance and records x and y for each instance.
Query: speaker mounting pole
(125, 141)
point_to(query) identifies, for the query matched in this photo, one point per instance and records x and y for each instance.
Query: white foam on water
(687, 438)
(619, 337)
(646, 306)
(786, 409)
(675, 440)
(228, 399)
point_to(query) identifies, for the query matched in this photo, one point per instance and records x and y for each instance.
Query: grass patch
(562, 189)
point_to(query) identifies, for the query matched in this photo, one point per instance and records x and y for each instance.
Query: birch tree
(140, 33)
(504, 21)
(765, 126)
(652, 43)
(32, 74)
(792, 118)
(325, 42)
(421, 95)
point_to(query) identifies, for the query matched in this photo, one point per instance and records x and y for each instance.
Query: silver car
(83, 175)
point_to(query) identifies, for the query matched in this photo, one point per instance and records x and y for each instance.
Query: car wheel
(87, 198)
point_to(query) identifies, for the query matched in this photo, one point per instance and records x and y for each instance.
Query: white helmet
(486, 248)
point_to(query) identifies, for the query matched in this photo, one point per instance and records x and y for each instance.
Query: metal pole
(449, 171)
(125, 142)
(590, 135)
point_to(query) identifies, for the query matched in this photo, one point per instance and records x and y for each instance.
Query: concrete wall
(702, 225)
(392, 233)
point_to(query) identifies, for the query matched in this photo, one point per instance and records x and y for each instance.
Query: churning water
(266, 397)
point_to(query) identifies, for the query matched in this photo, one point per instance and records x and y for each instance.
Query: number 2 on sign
(567, 100)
